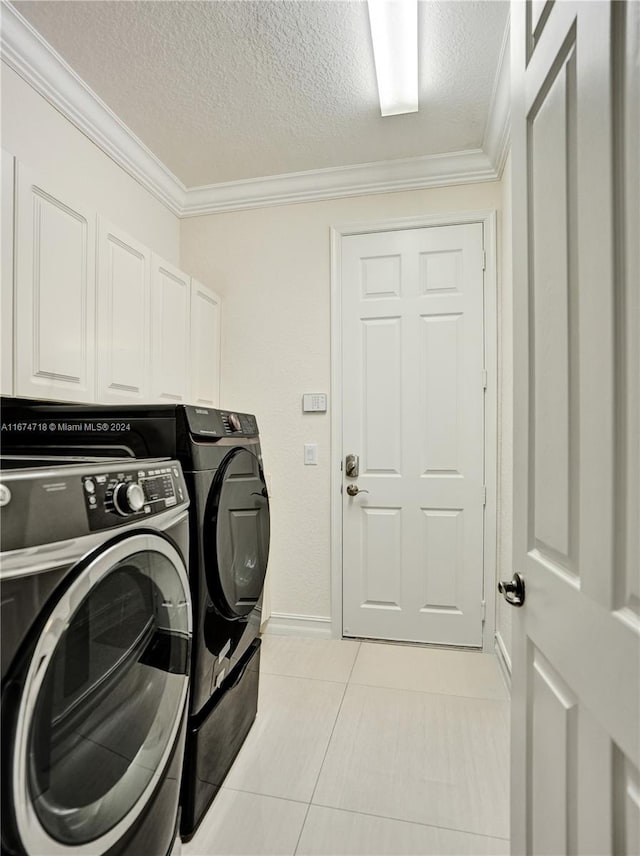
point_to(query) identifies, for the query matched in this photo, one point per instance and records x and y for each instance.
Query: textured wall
(272, 267)
(505, 417)
(46, 142)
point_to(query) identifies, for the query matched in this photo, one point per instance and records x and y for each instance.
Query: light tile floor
(367, 749)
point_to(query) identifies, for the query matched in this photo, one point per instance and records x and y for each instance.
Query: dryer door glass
(236, 534)
(101, 715)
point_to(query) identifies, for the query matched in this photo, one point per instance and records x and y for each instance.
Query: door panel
(55, 293)
(170, 332)
(205, 346)
(413, 410)
(6, 272)
(576, 640)
(124, 298)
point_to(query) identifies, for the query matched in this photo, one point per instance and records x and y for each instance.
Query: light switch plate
(310, 454)
(314, 402)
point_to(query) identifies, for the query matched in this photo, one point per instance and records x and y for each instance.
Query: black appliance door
(103, 699)
(236, 534)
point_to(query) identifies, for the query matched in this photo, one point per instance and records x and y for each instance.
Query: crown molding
(497, 134)
(334, 183)
(25, 51)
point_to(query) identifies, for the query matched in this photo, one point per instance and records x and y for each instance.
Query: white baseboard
(504, 659)
(287, 624)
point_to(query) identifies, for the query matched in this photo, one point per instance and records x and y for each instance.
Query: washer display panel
(236, 534)
(104, 698)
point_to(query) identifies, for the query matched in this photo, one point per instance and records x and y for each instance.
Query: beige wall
(43, 140)
(272, 267)
(505, 414)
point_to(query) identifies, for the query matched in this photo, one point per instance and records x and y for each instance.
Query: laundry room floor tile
(432, 670)
(283, 753)
(333, 832)
(241, 824)
(440, 760)
(321, 659)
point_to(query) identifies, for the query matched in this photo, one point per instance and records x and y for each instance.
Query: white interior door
(413, 412)
(576, 640)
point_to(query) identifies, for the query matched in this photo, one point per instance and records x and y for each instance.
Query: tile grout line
(428, 692)
(302, 678)
(346, 686)
(266, 796)
(412, 822)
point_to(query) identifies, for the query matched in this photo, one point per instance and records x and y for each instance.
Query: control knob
(234, 422)
(128, 497)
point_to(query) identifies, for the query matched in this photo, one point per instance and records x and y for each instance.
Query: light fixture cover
(394, 32)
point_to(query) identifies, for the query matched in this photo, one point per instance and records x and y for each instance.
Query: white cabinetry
(123, 303)
(205, 345)
(121, 325)
(54, 294)
(6, 283)
(170, 332)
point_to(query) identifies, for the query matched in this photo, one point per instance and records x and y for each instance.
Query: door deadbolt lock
(352, 466)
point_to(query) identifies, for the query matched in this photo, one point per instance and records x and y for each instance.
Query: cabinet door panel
(124, 295)
(205, 345)
(170, 332)
(6, 354)
(55, 293)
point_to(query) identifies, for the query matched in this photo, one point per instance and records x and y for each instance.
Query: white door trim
(488, 219)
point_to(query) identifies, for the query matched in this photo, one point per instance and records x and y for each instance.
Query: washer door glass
(236, 534)
(101, 719)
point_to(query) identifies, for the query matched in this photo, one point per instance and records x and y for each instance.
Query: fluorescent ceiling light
(394, 32)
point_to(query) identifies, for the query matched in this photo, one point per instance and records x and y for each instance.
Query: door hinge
(485, 378)
(484, 610)
(484, 260)
(484, 494)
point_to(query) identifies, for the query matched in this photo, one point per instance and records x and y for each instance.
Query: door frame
(488, 219)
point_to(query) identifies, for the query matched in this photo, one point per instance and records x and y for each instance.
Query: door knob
(513, 591)
(354, 490)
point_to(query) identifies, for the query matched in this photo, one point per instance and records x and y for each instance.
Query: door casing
(488, 219)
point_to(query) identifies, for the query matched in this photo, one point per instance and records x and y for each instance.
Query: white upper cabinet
(205, 345)
(90, 314)
(170, 332)
(123, 304)
(6, 283)
(54, 294)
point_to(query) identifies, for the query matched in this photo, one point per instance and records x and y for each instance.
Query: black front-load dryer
(96, 629)
(221, 457)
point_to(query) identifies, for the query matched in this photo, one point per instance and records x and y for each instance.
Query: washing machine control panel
(210, 423)
(135, 493)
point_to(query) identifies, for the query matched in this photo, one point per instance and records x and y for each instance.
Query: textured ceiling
(233, 89)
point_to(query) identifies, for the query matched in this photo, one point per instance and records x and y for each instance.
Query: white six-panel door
(576, 639)
(413, 411)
